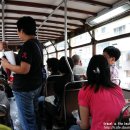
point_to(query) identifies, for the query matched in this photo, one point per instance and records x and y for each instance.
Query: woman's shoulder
(86, 89)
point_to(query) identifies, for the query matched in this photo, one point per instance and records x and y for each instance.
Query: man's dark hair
(27, 24)
(113, 52)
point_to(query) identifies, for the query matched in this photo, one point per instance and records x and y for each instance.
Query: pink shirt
(104, 105)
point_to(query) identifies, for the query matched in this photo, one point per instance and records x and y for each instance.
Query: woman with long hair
(99, 99)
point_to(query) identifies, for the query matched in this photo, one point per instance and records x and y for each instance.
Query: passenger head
(112, 54)
(63, 67)
(98, 72)
(27, 25)
(53, 65)
(76, 59)
(3, 46)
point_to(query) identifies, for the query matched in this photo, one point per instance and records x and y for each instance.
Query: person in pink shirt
(99, 98)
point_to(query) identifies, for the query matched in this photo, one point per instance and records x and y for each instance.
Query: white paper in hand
(76, 114)
(50, 99)
(10, 57)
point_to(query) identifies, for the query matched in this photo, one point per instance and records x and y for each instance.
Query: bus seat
(126, 94)
(71, 98)
(50, 83)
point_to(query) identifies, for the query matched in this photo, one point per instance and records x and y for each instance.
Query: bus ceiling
(82, 16)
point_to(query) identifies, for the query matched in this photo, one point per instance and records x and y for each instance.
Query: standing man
(27, 82)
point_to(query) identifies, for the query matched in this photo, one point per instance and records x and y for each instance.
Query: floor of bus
(14, 115)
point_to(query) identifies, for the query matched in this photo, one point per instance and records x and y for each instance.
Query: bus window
(60, 46)
(85, 54)
(50, 49)
(80, 39)
(62, 53)
(52, 55)
(123, 63)
(113, 29)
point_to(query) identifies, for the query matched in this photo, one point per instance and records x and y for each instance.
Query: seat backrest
(71, 97)
(126, 93)
(50, 83)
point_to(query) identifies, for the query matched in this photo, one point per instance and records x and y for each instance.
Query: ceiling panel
(77, 13)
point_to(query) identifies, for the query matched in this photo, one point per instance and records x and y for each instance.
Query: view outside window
(60, 46)
(47, 43)
(80, 39)
(50, 49)
(62, 53)
(45, 59)
(85, 54)
(53, 55)
(123, 63)
(44, 52)
(113, 29)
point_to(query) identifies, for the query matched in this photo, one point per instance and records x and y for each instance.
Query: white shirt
(114, 74)
(79, 70)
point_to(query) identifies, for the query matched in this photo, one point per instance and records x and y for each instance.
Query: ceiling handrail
(49, 16)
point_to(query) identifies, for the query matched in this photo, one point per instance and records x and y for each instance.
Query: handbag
(123, 121)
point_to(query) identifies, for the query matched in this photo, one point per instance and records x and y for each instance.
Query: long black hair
(98, 73)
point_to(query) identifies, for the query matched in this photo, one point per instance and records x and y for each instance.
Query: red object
(11, 78)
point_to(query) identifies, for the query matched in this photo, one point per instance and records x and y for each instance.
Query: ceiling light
(109, 15)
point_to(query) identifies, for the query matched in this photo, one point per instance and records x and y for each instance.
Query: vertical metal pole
(65, 37)
(3, 29)
(65, 33)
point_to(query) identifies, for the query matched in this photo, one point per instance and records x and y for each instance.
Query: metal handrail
(49, 16)
(65, 37)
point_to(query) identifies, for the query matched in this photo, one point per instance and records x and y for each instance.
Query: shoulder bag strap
(39, 50)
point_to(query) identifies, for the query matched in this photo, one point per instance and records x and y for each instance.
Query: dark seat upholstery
(71, 99)
(126, 94)
(50, 84)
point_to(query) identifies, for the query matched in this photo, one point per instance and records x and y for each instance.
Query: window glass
(113, 29)
(47, 43)
(85, 54)
(53, 55)
(123, 64)
(80, 39)
(61, 46)
(62, 53)
(44, 52)
(44, 59)
(50, 49)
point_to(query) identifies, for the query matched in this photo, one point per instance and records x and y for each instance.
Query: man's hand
(4, 62)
